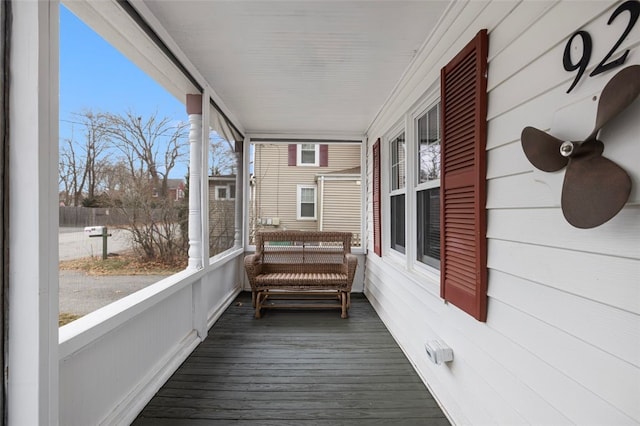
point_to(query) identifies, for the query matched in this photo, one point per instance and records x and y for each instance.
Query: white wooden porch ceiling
(300, 67)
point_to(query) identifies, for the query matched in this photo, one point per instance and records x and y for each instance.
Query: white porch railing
(113, 360)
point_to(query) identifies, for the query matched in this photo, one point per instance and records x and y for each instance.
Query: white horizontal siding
(561, 344)
(618, 238)
(470, 383)
(607, 279)
(613, 330)
(548, 31)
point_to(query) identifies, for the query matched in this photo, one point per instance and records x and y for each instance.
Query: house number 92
(633, 6)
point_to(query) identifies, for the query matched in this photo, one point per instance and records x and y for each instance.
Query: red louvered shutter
(377, 228)
(463, 275)
(293, 153)
(324, 155)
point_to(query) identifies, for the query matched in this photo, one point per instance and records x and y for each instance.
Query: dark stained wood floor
(295, 368)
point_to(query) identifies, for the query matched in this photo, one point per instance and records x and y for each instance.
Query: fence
(84, 216)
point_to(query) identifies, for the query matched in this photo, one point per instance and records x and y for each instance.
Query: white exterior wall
(561, 344)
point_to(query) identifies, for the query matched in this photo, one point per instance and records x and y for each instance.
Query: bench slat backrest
(303, 248)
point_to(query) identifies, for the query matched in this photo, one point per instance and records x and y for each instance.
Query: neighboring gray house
(222, 204)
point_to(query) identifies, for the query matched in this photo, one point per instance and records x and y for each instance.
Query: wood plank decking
(295, 368)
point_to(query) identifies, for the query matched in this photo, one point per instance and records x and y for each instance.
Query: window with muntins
(221, 192)
(398, 171)
(428, 187)
(306, 202)
(397, 193)
(308, 154)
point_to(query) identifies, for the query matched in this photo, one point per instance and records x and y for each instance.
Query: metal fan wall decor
(595, 188)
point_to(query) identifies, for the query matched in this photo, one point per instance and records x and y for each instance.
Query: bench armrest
(352, 263)
(253, 266)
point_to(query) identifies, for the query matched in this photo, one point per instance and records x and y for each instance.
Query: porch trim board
(217, 311)
(32, 357)
(127, 410)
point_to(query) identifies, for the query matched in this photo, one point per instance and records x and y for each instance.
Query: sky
(95, 76)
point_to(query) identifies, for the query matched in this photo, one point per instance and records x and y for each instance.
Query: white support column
(364, 195)
(206, 144)
(246, 191)
(320, 201)
(237, 236)
(197, 250)
(33, 385)
(194, 110)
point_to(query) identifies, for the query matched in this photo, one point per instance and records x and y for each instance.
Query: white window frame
(217, 192)
(426, 107)
(299, 202)
(400, 191)
(226, 188)
(299, 162)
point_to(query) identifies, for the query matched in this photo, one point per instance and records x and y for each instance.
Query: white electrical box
(268, 221)
(438, 352)
(95, 230)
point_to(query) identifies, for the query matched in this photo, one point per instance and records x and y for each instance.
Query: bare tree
(223, 162)
(115, 177)
(67, 172)
(221, 226)
(151, 148)
(429, 161)
(80, 161)
(154, 223)
(135, 181)
(222, 157)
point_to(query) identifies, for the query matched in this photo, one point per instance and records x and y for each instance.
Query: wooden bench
(289, 265)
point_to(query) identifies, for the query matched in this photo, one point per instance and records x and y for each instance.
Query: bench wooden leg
(253, 299)
(258, 304)
(344, 297)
